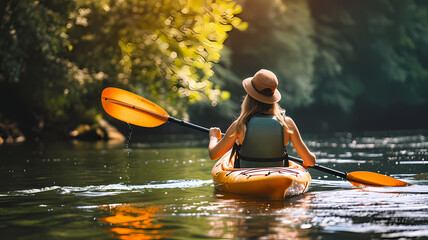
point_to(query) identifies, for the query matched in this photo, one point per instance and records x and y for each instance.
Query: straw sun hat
(263, 87)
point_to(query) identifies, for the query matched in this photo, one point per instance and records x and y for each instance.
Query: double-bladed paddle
(139, 111)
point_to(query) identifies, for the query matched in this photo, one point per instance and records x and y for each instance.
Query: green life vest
(263, 144)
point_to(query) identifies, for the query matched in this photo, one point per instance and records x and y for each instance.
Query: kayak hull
(275, 183)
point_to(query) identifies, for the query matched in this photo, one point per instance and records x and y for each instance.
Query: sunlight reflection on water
(391, 211)
(113, 189)
(113, 193)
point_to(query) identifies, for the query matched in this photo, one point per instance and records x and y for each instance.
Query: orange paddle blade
(132, 108)
(362, 178)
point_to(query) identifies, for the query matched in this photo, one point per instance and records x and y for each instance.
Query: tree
(371, 59)
(164, 50)
(32, 67)
(57, 56)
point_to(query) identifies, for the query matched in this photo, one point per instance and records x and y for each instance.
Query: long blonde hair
(251, 106)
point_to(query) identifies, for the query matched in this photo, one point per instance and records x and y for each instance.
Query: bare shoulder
(290, 123)
(233, 131)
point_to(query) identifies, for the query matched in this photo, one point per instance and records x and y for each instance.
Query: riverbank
(100, 131)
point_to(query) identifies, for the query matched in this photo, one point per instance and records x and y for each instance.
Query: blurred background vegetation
(343, 65)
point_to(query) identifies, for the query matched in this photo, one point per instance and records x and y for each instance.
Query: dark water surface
(97, 191)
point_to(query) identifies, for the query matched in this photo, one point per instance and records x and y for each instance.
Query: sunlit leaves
(170, 46)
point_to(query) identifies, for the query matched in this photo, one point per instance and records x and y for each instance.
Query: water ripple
(111, 189)
(391, 211)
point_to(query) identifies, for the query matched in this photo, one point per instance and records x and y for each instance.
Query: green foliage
(398, 34)
(57, 56)
(30, 31)
(371, 51)
(162, 49)
(34, 72)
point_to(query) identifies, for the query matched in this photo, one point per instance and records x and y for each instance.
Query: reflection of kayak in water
(274, 183)
(132, 221)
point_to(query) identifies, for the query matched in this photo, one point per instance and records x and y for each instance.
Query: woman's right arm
(218, 148)
(308, 157)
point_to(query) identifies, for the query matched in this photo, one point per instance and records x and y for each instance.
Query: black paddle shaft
(187, 124)
(321, 168)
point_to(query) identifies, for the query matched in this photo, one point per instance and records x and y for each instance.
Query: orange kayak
(274, 183)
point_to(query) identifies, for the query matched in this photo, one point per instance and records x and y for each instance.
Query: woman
(262, 129)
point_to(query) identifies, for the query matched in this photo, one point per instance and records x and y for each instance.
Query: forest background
(343, 65)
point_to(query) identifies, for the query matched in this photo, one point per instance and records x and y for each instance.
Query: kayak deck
(274, 183)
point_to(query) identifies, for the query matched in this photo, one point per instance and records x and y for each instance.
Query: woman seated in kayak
(262, 129)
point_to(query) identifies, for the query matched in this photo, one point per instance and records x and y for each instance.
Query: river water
(103, 191)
